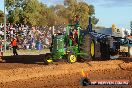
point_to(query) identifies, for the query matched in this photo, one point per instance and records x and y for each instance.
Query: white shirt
(1, 32)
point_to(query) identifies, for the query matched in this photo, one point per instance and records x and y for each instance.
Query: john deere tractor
(71, 46)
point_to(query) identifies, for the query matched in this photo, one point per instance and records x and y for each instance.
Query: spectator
(14, 46)
(29, 35)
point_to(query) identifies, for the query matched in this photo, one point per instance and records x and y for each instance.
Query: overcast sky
(118, 12)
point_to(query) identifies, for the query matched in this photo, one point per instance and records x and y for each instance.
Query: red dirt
(14, 75)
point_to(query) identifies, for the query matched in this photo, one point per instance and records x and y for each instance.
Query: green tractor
(75, 44)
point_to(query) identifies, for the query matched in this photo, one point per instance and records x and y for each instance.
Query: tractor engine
(57, 46)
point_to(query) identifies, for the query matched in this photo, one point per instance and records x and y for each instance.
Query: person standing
(1, 47)
(14, 46)
(75, 36)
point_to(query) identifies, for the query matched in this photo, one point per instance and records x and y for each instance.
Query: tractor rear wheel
(105, 51)
(92, 49)
(130, 51)
(87, 47)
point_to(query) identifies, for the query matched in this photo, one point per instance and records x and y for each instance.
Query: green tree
(32, 12)
(81, 9)
(43, 15)
(1, 16)
(15, 10)
(59, 11)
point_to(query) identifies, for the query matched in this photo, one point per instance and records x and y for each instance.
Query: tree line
(34, 12)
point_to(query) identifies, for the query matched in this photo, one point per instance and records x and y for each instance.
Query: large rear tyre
(130, 52)
(92, 49)
(88, 48)
(105, 51)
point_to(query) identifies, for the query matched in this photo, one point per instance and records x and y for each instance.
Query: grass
(27, 52)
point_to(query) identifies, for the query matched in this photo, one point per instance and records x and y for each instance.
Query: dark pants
(15, 50)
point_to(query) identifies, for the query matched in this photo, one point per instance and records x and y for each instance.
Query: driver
(75, 36)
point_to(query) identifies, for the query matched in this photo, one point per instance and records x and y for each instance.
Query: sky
(109, 12)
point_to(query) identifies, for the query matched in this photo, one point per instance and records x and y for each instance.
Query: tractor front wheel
(48, 59)
(72, 58)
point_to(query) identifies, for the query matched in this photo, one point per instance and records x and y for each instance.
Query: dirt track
(62, 75)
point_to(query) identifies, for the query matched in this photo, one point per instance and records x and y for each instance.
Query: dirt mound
(126, 66)
(102, 65)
